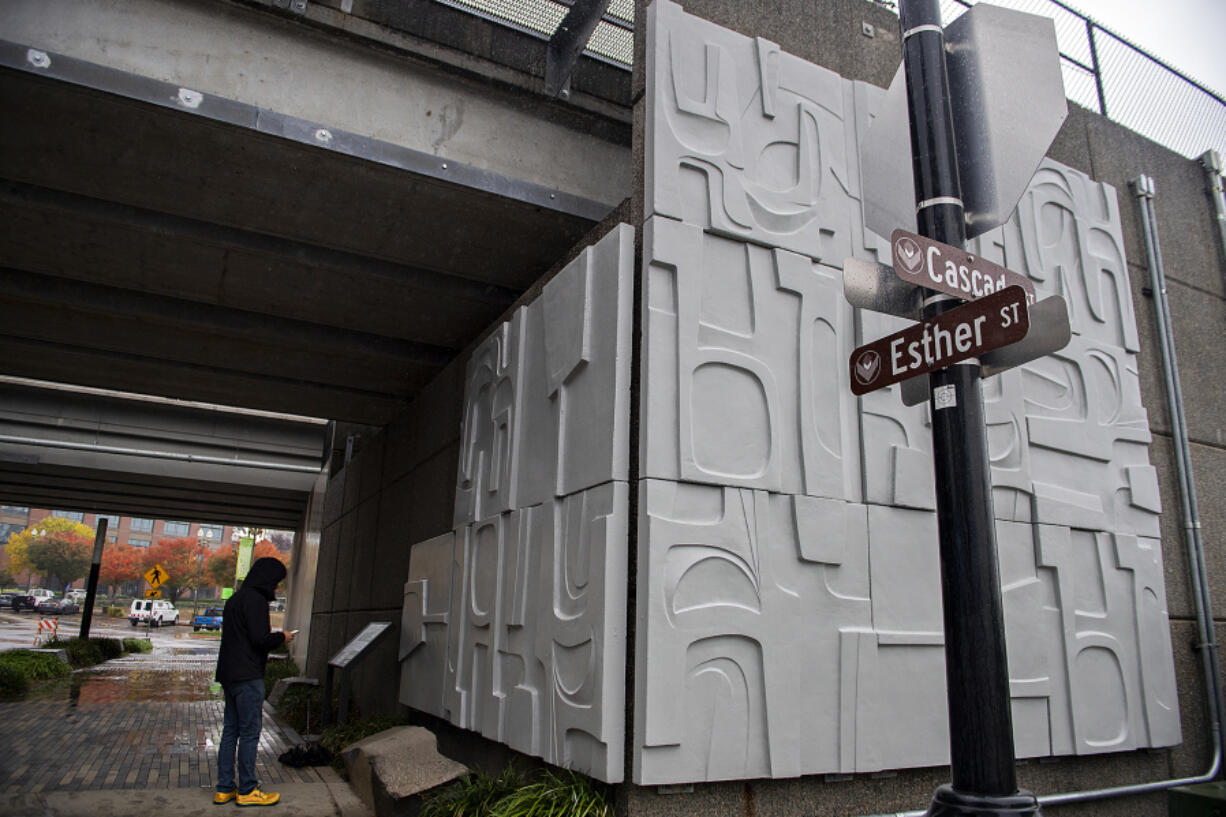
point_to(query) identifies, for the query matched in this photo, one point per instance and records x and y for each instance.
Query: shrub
(277, 669)
(137, 645)
(12, 681)
(109, 647)
(298, 702)
(18, 668)
(338, 736)
(114, 612)
(82, 652)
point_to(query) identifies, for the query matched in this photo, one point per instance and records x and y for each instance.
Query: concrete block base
(389, 771)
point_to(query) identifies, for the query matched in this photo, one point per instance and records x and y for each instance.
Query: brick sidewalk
(139, 722)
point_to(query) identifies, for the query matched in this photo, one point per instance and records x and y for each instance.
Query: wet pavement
(137, 735)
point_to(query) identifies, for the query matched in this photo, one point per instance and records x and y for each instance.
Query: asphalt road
(21, 629)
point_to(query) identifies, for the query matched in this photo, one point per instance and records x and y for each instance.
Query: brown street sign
(931, 264)
(959, 334)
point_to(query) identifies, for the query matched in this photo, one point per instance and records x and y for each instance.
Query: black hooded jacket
(246, 638)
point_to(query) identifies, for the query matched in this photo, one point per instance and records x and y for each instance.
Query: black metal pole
(982, 764)
(91, 587)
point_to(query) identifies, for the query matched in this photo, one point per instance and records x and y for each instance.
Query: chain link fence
(611, 42)
(1103, 72)
(1109, 75)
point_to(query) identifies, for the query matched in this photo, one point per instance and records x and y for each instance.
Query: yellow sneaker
(224, 797)
(258, 798)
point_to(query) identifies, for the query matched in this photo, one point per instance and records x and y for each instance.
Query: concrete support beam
(274, 64)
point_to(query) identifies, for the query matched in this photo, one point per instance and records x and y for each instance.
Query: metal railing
(1105, 73)
(611, 42)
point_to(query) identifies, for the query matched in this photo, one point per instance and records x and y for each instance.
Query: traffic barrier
(47, 628)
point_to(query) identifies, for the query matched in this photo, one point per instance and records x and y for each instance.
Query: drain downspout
(1211, 161)
(1144, 190)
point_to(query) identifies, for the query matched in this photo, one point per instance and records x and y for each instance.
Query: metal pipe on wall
(1211, 161)
(1144, 190)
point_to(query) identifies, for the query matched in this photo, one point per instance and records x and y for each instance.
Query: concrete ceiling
(85, 450)
(157, 251)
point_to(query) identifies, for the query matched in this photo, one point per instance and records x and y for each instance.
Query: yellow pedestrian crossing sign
(156, 576)
(153, 594)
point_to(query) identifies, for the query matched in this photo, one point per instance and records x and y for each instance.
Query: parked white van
(153, 612)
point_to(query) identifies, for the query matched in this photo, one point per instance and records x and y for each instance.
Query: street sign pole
(980, 722)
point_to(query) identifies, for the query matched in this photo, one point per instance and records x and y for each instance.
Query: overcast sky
(1187, 34)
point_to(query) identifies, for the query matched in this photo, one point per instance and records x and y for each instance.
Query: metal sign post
(980, 721)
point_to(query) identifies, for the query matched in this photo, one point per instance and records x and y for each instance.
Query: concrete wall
(397, 490)
(830, 35)
(400, 488)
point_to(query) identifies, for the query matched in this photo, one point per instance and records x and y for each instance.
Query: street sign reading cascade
(980, 326)
(932, 264)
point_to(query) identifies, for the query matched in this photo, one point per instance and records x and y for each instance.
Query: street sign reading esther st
(959, 334)
(945, 268)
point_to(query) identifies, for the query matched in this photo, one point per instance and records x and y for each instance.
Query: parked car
(76, 595)
(31, 600)
(210, 619)
(59, 607)
(153, 612)
(6, 599)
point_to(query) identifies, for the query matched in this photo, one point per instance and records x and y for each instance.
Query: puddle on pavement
(169, 674)
(103, 686)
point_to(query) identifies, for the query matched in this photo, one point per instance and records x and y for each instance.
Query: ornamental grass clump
(549, 794)
(473, 795)
(553, 794)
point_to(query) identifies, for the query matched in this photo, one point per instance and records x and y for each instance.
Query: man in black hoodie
(246, 640)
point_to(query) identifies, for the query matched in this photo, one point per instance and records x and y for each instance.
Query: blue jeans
(240, 726)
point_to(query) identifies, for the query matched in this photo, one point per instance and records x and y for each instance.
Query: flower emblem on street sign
(867, 367)
(909, 255)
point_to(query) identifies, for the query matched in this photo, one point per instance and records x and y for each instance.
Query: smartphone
(293, 632)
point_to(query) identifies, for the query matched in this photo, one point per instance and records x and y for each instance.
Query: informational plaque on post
(359, 644)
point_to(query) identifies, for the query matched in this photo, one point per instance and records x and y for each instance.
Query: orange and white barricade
(48, 629)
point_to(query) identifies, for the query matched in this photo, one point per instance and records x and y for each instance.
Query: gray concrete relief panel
(514, 623)
(789, 605)
(748, 347)
(514, 627)
(538, 385)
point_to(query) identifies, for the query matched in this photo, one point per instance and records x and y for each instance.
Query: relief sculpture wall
(514, 623)
(789, 612)
(789, 602)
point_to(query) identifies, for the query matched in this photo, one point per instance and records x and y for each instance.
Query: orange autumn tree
(120, 564)
(224, 561)
(182, 558)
